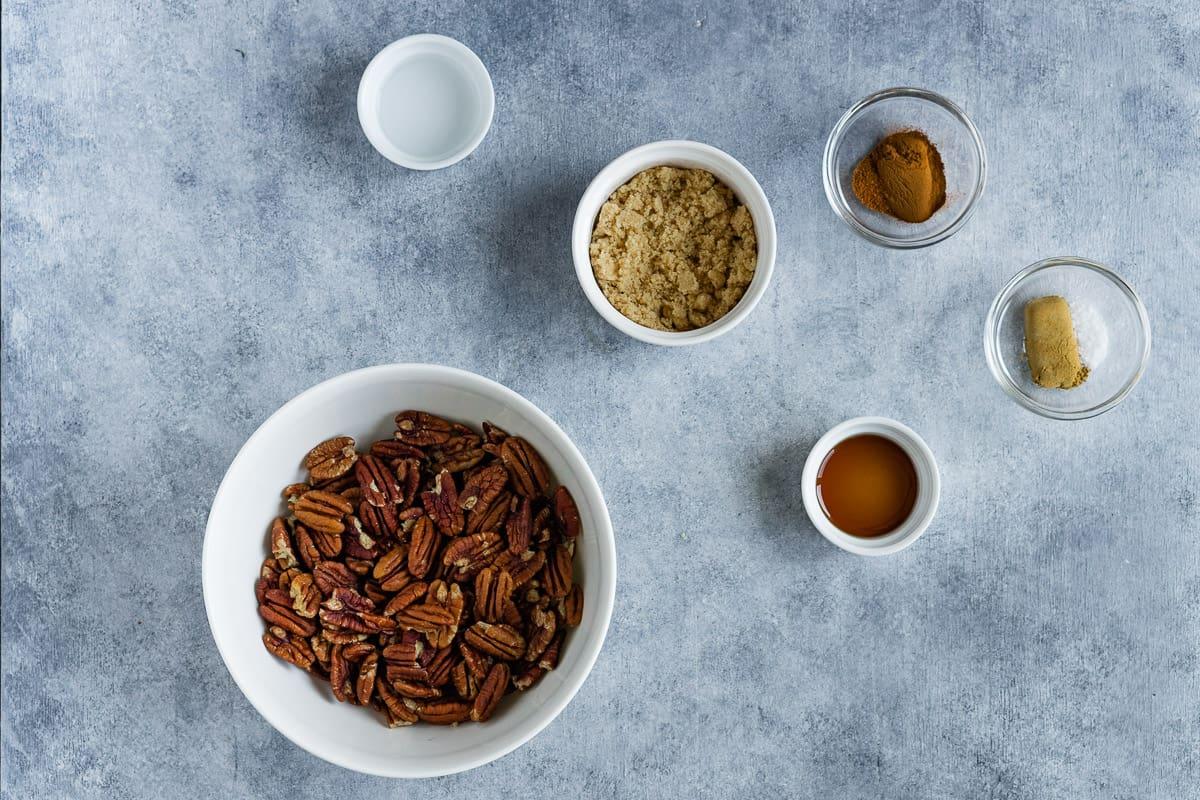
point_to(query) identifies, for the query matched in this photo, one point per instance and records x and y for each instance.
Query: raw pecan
(469, 554)
(409, 652)
(530, 675)
(441, 503)
(321, 649)
(417, 691)
(281, 545)
(423, 542)
(493, 434)
(493, 588)
(398, 714)
(443, 712)
(545, 624)
(359, 566)
(477, 663)
(522, 566)
(408, 475)
(332, 458)
(520, 526)
(549, 659)
(357, 621)
(292, 649)
(460, 453)
(336, 635)
(364, 687)
(292, 492)
(501, 641)
(337, 485)
(482, 489)
(306, 548)
(285, 578)
(556, 575)
(449, 597)
(571, 606)
(329, 575)
(287, 619)
(392, 450)
(339, 674)
(566, 512)
(490, 693)
(422, 430)
(347, 598)
(426, 618)
(357, 651)
(464, 682)
(405, 598)
(526, 468)
(495, 515)
(305, 595)
(381, 522)
(390, 569)
(328, 543)
(542, 535)
(322, 511)
(378, 483)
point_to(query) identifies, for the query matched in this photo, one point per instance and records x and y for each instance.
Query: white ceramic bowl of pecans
(363, 404)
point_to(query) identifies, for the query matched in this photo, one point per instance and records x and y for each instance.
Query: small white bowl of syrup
(871, 486)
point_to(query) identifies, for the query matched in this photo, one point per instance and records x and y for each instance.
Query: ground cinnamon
(902, 176)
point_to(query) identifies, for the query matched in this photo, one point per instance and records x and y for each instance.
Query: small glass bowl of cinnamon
(954, 145)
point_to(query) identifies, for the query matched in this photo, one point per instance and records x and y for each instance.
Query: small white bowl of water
(426, 102)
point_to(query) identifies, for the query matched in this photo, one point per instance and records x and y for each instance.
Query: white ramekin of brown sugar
(687, 155)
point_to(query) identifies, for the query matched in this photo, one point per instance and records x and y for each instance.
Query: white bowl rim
(830, 179)
(995, 361)
(549, 711)
(917, 450)
(390, 55)
(616, 173)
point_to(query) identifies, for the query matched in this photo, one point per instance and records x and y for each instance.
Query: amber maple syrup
(867, 485)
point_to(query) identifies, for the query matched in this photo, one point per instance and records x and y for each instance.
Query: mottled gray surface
(195, 229)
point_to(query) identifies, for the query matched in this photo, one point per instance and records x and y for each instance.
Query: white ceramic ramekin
(675, 153)
(438, 113)
(929, 486)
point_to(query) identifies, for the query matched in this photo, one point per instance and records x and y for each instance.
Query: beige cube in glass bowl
(687, 155)
(1110, 323)
(363, 404)
(891, 111)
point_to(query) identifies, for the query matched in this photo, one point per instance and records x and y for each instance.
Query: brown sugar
(902, 176)
(674, 249)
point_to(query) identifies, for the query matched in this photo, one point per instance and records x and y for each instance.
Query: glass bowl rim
(829, 168)
(992, 348)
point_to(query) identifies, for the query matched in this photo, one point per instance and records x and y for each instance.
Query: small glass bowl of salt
(1111, 327)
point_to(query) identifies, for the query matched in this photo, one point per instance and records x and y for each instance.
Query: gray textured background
(195, 229)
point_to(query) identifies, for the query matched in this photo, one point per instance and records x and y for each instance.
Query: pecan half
(329, 575)
(493, 588)
(443, 712)
(469, 554)
(420, 429)
(322, 511)
(556, 575)
(305, 595)
(490, 693)
(522, 566)
(501, 641)
(493, 434)
(526, 468)
(364, 687)
(545, 624)
(293, 649)
(482, 489)
(381, 522)
(494, 515)
(398, 714)
(566, 512)
(306, 548)
(392, 450)
(391, 570)
(284, 617)
(281, 545)
(464, 681)
(460, 453)
(423, 542)
(441, 504)
(378, 483)
(519, 527)
(332, 458)
(406, 597)
(571, 606)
